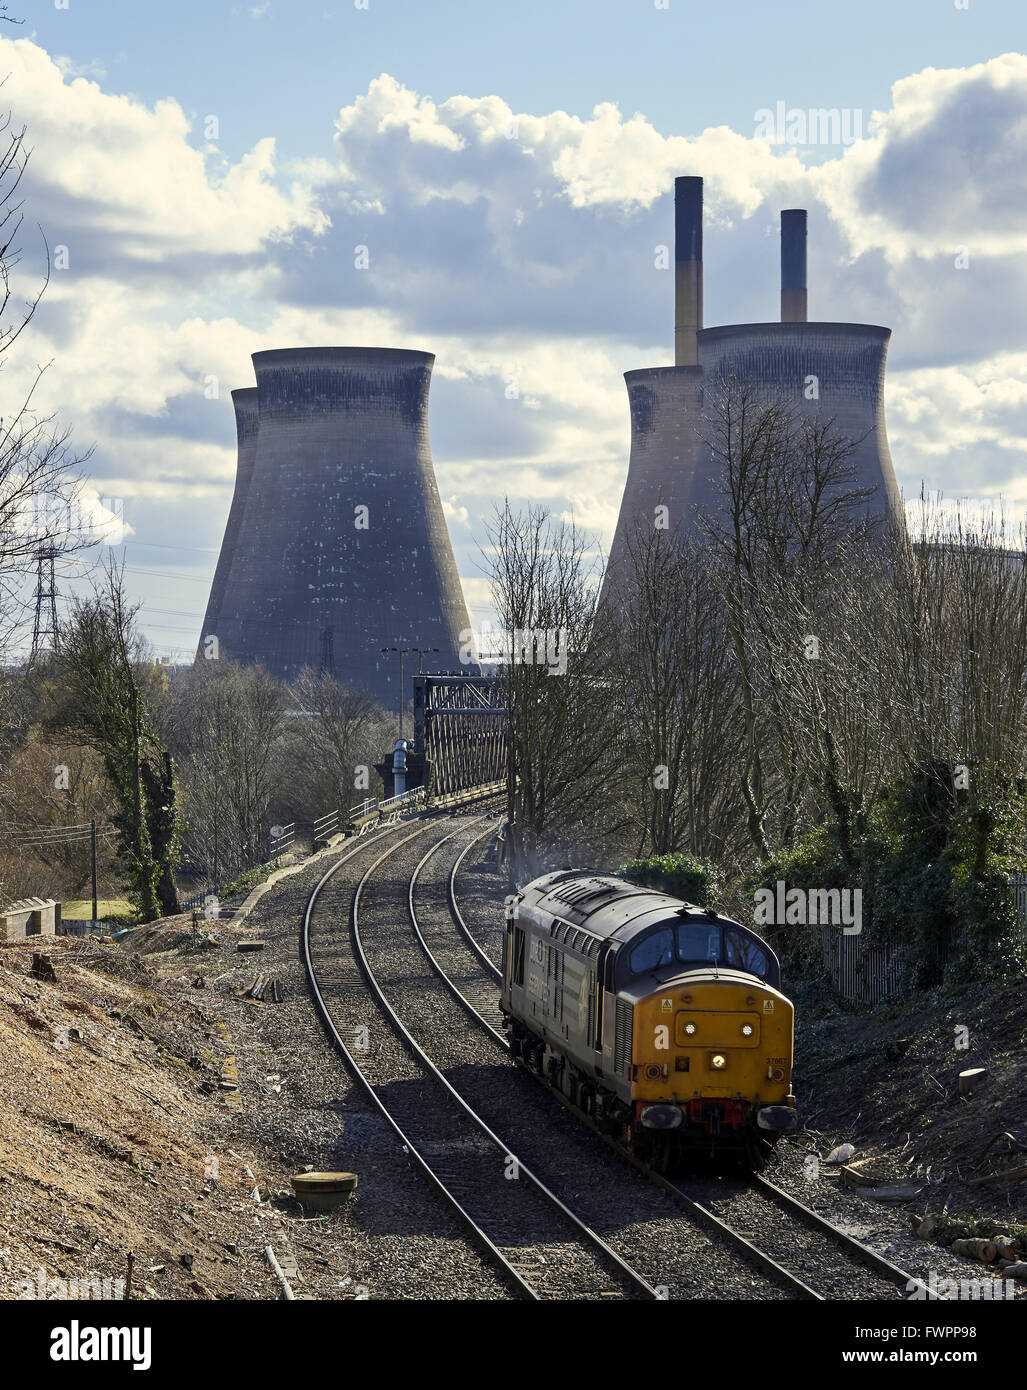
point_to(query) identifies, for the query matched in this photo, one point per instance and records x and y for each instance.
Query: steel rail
(863, 1253)
(855, 1248)
(477, 1235)
(584, 1232)
(458, 916)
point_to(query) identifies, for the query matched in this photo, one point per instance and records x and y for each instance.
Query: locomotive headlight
(718, 1061)
(746, 1030)
(689, 1028)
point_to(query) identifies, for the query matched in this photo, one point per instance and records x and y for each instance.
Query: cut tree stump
(43, 968)
(971, 1078)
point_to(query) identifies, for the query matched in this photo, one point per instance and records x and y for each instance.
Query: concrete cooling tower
(336, 544)
(245, 403)
(670, 465)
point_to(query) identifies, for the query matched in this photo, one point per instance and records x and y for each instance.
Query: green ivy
(681, 875)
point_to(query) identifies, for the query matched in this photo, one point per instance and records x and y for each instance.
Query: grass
(81, 909)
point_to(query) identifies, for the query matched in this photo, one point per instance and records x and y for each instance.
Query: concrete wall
(339, 429)
(30, 917)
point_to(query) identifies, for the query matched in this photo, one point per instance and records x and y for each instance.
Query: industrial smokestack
(687, 270)
(793, 266)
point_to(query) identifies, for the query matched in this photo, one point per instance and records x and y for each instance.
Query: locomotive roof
(609, 907)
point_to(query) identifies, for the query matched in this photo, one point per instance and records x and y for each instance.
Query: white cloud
(514, 246)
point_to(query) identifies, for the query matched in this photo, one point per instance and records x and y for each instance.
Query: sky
(204, 172)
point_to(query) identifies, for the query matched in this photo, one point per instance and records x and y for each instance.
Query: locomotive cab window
(654, 951)
(705, 942)
(724, 943)
(744, 952)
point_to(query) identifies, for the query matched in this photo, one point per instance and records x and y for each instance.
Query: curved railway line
(424, 978)
(514, 1219)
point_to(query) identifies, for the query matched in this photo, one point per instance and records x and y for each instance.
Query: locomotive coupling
(661, 1116)
(778, 1118)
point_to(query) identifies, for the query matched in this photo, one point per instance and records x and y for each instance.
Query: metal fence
(85, 926)
(864, 974)
(325, 827)
(282, 836)
(871, 974)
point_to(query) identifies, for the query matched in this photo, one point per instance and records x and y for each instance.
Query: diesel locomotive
(663, 1021)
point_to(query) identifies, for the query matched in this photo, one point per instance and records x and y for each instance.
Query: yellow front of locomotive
(717, 1049)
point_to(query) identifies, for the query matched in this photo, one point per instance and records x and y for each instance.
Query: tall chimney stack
(687, 270)
(793, 266)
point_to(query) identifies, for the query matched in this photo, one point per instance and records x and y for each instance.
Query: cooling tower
(245, 403)
(342, 544)
(835, 370)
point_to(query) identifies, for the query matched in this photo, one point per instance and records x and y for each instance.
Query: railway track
(524, 1229)
(794, 1226)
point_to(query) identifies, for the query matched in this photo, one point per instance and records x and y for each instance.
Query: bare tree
(334, 732)
(677, 697)
(790, 506)
(563, 754)
(226, 726)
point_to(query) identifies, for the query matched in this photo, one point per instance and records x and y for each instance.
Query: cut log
(1008, 1249)
(892, 1192)
(1010, 1175)
(976, 1249)
(1017, 1271)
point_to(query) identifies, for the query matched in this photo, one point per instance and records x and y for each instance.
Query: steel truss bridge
(460, 731)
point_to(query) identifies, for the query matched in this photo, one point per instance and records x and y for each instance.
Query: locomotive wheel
(758, 1151)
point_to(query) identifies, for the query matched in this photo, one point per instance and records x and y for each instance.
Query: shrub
(682, 875)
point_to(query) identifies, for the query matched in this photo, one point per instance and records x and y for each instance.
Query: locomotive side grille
(622, 1036)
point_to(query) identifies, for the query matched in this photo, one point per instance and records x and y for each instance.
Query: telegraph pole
(403, 651)
(92, 844)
